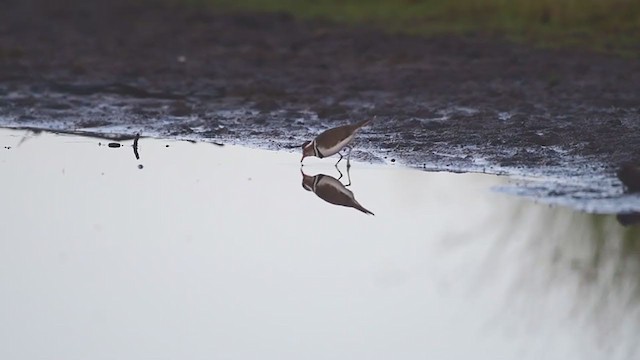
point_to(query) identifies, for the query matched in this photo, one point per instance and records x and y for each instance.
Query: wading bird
(332, 141)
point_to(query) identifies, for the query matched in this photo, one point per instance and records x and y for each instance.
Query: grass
(604, 25)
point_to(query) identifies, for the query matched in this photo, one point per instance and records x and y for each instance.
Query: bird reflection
(332, 190)
(629, 219)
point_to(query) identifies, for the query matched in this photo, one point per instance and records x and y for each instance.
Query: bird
(332, 191)
(332, 141)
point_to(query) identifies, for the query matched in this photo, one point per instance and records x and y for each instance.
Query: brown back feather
(334, 196)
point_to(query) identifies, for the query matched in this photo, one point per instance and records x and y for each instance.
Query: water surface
(219, 252)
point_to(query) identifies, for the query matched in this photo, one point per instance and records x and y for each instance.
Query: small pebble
(140, 166)
(114, 145)
(393, 160)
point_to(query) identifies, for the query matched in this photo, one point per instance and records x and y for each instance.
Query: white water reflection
(212, 252)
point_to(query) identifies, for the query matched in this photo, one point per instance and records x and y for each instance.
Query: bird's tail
(361, 208)
(364, 123)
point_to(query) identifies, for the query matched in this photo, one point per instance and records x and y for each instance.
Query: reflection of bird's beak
(305, 179)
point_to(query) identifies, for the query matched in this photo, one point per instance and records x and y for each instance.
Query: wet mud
(564, 122)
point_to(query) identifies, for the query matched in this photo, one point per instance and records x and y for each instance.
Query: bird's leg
(348, 177)
(340, 172)
(348, 160)
(339, 159)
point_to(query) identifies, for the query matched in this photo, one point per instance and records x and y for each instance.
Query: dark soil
(442, 103)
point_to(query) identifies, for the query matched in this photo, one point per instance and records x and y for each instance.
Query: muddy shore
(269, 80)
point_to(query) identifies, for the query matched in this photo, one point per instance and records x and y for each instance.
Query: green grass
(605, 25)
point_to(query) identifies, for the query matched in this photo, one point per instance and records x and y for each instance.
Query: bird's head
(307, 181)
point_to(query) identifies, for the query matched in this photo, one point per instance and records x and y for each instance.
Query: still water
(219, 252)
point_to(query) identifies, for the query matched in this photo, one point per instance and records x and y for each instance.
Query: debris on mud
(629, 174)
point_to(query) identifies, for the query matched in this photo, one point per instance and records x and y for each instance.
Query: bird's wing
(337, 134)
(332, 191)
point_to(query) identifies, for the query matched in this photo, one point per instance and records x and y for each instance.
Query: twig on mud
(135, 146)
